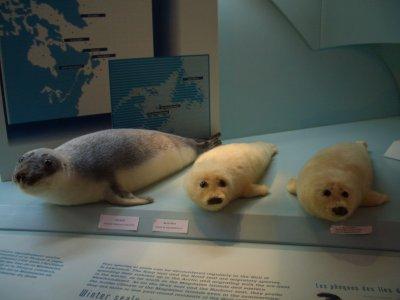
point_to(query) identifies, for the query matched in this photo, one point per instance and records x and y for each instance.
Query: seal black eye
(327, 193)
(345, 194)
(222, 183)
(21, 159)
(203, 184)
(48, 163)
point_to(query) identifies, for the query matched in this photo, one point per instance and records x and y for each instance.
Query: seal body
(336, 181)
(106, 165)
(228, 172)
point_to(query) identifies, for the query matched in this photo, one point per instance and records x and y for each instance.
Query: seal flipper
(363, 143)
(254, 190)
(120, 197)
(374, 199)
(207, 144)
(292, 186)
(129, 201)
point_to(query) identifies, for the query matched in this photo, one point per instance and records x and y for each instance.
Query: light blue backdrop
(272, 81)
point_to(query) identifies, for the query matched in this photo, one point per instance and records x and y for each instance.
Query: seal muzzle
(214, 201)
(340, 211)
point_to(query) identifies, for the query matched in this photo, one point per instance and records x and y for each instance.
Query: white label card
(393, 151)
(170, 225)
(346, 229)
(119, 222)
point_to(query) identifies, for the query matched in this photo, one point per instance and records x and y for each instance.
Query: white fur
(240, 166)
(67, 188)
(344, 167)
(158, 167)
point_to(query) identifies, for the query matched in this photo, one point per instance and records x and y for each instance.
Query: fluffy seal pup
(228, 172)
(106, 165)
(336, 181)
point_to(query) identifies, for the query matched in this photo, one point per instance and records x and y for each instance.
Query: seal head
(36, 169)
(210, 190)
(335, 199)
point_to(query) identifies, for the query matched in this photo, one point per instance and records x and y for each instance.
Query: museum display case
(272, 88)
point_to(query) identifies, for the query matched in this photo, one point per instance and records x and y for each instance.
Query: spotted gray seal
(106, 165)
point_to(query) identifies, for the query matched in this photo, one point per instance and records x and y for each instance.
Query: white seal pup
(106, 165)
(336, 181)
(228, 172)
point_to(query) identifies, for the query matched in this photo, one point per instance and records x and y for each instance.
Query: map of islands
(54, 56)
(170, 94)
(35, 55)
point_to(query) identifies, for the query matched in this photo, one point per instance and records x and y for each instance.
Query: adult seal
(106, 165)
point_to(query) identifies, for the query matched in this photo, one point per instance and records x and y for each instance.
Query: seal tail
(207, 144)
(363, 143)
(270, 149)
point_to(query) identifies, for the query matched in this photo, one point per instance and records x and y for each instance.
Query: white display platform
(276, 218)
(38, 266)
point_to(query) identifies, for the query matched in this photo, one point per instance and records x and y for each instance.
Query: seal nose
(340, 211)
(214, 201)
(20, 177)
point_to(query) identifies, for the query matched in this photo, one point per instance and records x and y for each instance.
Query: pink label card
(170, 225)
(119, 222)
(345, 229)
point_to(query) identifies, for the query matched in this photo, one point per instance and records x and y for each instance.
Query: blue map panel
(170, 94)
(44, 77)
